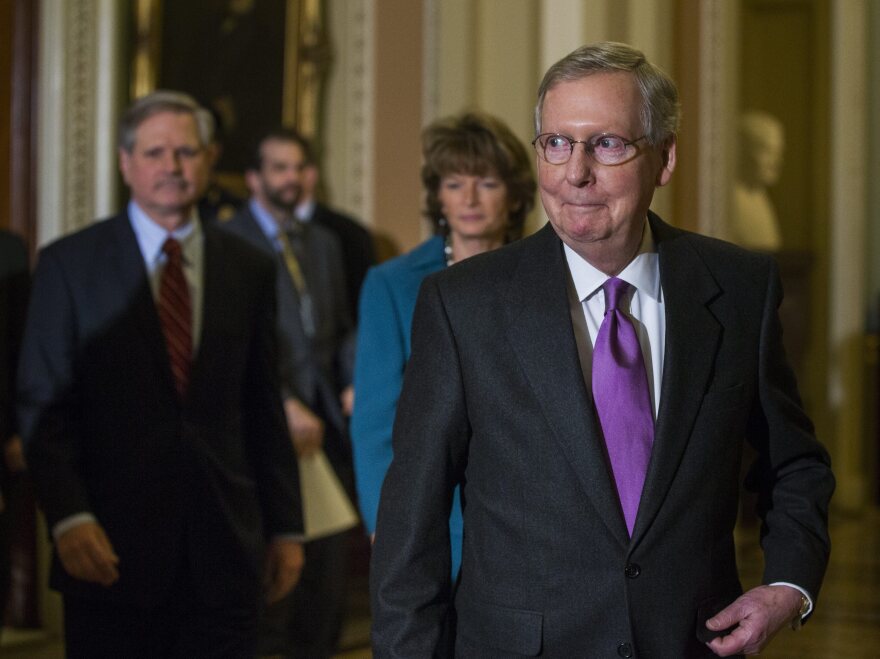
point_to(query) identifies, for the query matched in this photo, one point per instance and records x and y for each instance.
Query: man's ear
(252, 179)
(667, 153)
(124, 164)
(310, 177)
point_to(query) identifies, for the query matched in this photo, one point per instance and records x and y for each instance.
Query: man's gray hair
(660, 112)
(163, 100)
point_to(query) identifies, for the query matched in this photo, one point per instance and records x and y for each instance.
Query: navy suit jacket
(197, 484)
(494, 400)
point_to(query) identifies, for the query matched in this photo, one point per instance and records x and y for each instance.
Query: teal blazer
(387, 302)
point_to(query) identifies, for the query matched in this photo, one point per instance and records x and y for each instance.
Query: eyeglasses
(605, 149)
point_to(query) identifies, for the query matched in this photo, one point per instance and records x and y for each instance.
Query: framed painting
(256, 64)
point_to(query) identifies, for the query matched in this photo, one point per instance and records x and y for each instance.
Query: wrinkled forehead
(170, 126)
(612, 98)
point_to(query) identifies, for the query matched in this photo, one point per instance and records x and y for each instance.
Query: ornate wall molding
(718, 109)
(78, 65)
(349, 124)
(80, 129)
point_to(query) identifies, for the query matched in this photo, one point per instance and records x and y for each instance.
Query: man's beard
(282, 199)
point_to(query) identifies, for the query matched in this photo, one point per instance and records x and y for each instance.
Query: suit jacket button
(625, 650)
(632, 570)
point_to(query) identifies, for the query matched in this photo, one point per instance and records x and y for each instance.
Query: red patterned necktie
(620, 391)
(175, 314)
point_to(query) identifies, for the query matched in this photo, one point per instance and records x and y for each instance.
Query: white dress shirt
(151, 237)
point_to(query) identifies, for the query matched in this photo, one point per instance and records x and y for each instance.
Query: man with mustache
(315, 367)
(150, 414)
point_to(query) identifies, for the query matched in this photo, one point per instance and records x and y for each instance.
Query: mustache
(294, 188)
(177, 181)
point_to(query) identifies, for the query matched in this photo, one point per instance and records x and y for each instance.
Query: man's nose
(579, 168)
(171, 161)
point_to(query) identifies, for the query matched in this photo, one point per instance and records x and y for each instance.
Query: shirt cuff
(68, 523)
(802, 592)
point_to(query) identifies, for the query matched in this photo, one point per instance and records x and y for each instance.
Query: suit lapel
(692, 338)
(213, 298)
(541, 334)
(132, 282)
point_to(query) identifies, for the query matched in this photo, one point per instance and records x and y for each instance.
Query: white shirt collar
(151, 236)
(305, 210)
(264, 219)
(643, 272)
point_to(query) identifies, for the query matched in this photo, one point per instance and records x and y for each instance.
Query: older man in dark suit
(315, 352)
(590, 389)
(151, 417)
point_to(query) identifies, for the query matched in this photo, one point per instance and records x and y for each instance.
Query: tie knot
(172, 249)
(615, 289)
(293, 226)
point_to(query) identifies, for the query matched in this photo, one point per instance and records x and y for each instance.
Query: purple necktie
(620, 390)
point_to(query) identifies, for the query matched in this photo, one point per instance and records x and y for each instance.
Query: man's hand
(759, 614)
(306, 430)
(284, 564)
(86, 554)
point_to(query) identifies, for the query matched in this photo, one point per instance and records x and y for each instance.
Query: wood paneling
(17, 108)
(6, 12)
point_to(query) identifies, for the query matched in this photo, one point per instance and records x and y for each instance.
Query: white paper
(327, 510)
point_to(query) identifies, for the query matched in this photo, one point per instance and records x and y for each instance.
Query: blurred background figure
(314, 333)
(356, 242)
(150, 416)
(479, 188)
(762, 142)
(14, 283)
(217, 201)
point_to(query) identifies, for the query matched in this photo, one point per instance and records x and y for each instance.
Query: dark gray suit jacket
(358, 252)
(314, 369)
(197, 484)
(495, 400)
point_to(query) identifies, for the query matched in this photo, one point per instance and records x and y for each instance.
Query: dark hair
(163, 100)
(660, 111)
(289, 135)
(477, 144)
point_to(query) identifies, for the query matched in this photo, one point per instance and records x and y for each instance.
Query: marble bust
(753, 222)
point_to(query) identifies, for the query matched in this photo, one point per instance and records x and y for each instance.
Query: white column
(849, 194)
(349, 116)
(78, 90)
(51, 152)
(717, 115)
(650, 29)
(568, 24)
(109, 66)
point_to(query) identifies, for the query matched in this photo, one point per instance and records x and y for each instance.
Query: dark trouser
(180, 628)
(306, 624)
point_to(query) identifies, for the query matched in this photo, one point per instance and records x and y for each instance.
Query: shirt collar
(264, 219)
(643, 272)
(305, 210)
(151, 236)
